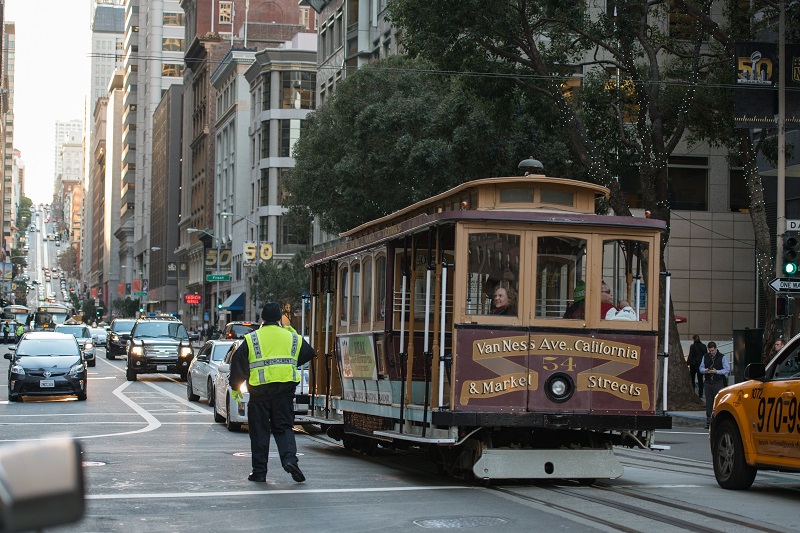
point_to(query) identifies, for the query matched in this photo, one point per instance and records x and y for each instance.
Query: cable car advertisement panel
(508, 371)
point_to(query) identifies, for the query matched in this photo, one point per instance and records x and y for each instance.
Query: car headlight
(243, 387)
(18, 370)
(114, 337)
(88, 346)
(559, 387)
(186, 351)
(76, 369)
(137, 350)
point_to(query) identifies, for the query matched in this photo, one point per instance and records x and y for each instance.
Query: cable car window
(561, 277)
(355, 297)
(493, 274)
(516, 195)
(550, 196)
(380, 286)
(367, 307)
(623, 293)
(343, 291)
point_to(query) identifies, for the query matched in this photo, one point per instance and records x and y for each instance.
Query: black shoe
(258, 478)
(294, 470)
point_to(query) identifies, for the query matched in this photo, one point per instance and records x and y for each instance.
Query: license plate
(161, 368)
(47, 383)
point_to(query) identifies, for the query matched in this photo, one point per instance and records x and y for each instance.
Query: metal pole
(666, 338)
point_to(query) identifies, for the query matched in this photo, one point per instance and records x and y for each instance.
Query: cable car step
(413, 438)
(305, 419)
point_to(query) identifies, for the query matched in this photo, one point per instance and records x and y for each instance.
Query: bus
(18, 313)
(503, 327)
(48, 316)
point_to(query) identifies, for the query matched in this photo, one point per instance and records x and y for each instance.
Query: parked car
(159, 345)
(756, 422)
(84, 338)
(237, 330)
(46, 363)
(100, 335)
(203, 370)
(118, 337)
(234, 413)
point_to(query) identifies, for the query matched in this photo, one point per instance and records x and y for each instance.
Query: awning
(235, 302)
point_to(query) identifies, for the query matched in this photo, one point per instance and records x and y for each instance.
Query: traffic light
(791, 242)
(784, 306)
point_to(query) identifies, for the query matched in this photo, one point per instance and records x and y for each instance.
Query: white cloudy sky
(50, 82)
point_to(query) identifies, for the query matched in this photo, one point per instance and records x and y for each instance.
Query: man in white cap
(267, 361)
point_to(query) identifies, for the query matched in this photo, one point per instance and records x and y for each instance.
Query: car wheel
(81, 396)
(130, 373)
(218, 417)
(190, 391)
(211, 394)
(14, 398)
(730, 468)
(109, 354)
(183, 375)
(232, 426)
(91, 363)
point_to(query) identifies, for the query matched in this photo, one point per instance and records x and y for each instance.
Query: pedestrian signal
(784, 306)
(791, 253)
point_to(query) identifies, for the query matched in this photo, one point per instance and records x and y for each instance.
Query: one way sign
(785, 285)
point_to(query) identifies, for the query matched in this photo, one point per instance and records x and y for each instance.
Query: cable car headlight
(559, 387)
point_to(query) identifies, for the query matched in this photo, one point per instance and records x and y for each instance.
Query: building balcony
(128, 155)
(131, 52)
(129, 97)
(126, 212)
(128, 185)
(129, 115)
(130, 78)
(129, 134)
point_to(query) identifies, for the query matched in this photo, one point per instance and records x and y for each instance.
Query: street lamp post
(193, 230)
(226, 214)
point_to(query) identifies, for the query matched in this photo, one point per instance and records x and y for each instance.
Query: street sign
(792, 225)
(140, 293)
(785, 285)
(218, 277)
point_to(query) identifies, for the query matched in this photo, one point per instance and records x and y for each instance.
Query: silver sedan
(203, 370)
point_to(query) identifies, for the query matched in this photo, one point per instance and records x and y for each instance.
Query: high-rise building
(10, 199)
(65, 129)
(108, 25)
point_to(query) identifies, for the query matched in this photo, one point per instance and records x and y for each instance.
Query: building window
(305, 17)
(174, 19)
(288, 134)
(265, 105)
(172, 70)
(298, 89)
(225, 12)
(263, 187)
(265, 139)
(688, 183)
(739, 197)
(171, 44)
(263, 229)
(291, 241)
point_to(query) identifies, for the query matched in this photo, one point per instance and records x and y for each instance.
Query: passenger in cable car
(504, 301)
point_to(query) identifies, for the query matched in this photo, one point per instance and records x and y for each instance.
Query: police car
(756, 423)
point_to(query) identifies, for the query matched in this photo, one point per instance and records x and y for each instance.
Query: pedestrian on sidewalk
(696, 353)
(715, 370)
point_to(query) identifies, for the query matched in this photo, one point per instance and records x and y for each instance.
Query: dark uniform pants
(274, 414)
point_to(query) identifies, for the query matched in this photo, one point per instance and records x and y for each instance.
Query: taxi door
(773, 417)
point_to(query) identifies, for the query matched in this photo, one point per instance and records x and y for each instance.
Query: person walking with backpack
(715, 370)
(696, 353)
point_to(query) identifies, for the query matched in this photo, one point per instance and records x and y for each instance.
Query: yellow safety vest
(272, 355)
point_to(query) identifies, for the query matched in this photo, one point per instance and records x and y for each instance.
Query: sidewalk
(694, 419)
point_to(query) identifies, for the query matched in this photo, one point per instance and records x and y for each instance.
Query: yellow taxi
(756, 423)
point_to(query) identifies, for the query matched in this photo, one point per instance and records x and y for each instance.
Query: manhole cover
(93, 463)
(460, 522)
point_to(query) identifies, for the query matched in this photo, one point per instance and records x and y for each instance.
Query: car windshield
(122, 327)
(241, 330)
(219, 351)
(789, 368)
(97, 331)
(161, 329)
(76, 331)
(48, 347)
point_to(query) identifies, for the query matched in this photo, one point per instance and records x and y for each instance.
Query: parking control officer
(268, 362)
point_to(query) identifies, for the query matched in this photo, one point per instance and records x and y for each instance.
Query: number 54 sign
(257, 251)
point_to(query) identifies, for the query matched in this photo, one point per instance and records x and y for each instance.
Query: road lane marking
(172, 495)
(183, 401)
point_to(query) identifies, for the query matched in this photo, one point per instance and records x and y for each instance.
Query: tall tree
(281, 281)
(395, 133)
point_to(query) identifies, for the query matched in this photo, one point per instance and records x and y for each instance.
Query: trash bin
(747, 347)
